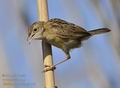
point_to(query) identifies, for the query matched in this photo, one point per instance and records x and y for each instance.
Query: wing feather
(65, 29)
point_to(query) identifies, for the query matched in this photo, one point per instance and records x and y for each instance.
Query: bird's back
(66, 29)
(64, 34)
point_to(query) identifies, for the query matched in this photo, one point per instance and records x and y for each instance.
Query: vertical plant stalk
(47, 51)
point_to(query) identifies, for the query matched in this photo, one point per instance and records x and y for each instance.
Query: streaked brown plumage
(62, 34)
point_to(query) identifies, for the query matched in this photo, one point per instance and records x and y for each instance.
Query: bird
(62, 34)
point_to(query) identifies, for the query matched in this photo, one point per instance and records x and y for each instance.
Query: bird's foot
(48, 68)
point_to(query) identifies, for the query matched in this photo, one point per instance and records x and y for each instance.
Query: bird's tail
(99, 31)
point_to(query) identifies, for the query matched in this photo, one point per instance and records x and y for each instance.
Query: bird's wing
(65, 29)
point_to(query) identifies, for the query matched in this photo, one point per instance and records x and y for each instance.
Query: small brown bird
(62, 34)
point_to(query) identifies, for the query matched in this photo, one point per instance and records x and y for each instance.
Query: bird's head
(35, 31)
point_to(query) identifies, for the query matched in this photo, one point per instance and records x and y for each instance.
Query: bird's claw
(48, 68)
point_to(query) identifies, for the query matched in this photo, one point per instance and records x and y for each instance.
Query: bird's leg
(54, 66)
(67, 58)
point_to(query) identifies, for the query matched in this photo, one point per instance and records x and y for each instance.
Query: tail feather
(99, 31)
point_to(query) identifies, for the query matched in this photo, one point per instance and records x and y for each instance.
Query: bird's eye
(35, 29)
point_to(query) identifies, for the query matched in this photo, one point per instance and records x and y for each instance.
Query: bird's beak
(30, 38)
